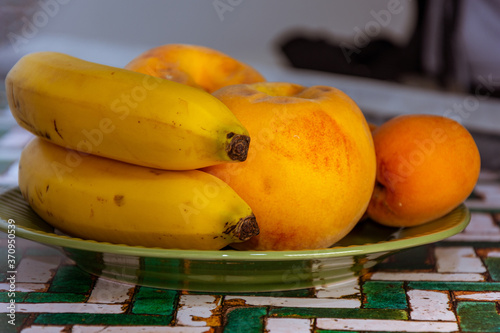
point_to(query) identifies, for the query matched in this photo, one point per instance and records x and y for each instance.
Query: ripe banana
(121, 114)
(92, 197)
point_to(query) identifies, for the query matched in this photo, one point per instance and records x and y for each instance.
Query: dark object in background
(379, 59)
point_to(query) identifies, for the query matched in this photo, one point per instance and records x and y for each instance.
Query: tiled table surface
(450, 286)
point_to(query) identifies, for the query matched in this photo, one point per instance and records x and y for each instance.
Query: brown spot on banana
(41, 134)
(39, 194)
(57, 130)
(118, 199)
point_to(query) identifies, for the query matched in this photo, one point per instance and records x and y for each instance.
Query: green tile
(71, 279)
(493, 265)
(37, 297)
(339, 313)
(100, 319)
(12, 324)
(245, 320)
(155, 301)
(453, 286)
(384, 295)
(54, 298)
(478, 317)
(19, 296)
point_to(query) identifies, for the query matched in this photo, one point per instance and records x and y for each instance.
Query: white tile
(494, 254)
(196, 310)
(298, 302)
(385, 325)
(25, 287)
(137, 329)
(482, 227)
(64, 308)
(430, 305)
(475, 296)
(287, 325)
(107, 291)
(469, 237)
(458, 260)
(44, 329)
(37, 269)
(403, 276)
(198, 300)
(482, 223)
(490, 192)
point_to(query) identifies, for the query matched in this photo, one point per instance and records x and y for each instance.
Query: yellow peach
(426, 166)
(310, 170)
(194, 65)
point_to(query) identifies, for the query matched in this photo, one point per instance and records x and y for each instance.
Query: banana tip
(246, 228)
(237, 149)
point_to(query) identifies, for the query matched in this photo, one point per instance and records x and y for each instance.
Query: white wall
(246, 29)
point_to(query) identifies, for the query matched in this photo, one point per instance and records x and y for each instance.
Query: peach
(426, 166)
(310, 170)
(194, 65)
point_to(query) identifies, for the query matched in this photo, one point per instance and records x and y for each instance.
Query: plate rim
(63, 241)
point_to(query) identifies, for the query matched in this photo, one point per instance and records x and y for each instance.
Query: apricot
(194, 65)
(310, 170)
(426, 166)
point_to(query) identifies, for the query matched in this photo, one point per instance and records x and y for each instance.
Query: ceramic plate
(230, 270)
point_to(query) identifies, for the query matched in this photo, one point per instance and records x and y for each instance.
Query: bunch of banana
(107, 200)
(121, 114)
(116, 152)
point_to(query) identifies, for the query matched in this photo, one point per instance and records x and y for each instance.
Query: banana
(101, 199)
(121, 114)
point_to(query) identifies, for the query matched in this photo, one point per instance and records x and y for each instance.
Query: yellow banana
(121, 114)
(92, 197)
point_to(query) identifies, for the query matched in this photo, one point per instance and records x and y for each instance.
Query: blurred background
(391, 56)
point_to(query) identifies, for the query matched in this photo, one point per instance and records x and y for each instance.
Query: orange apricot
(194, 65)
(426, 166)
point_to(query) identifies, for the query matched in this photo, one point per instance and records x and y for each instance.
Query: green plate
(231, 270)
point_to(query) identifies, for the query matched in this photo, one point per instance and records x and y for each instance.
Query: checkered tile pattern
(449, 286)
